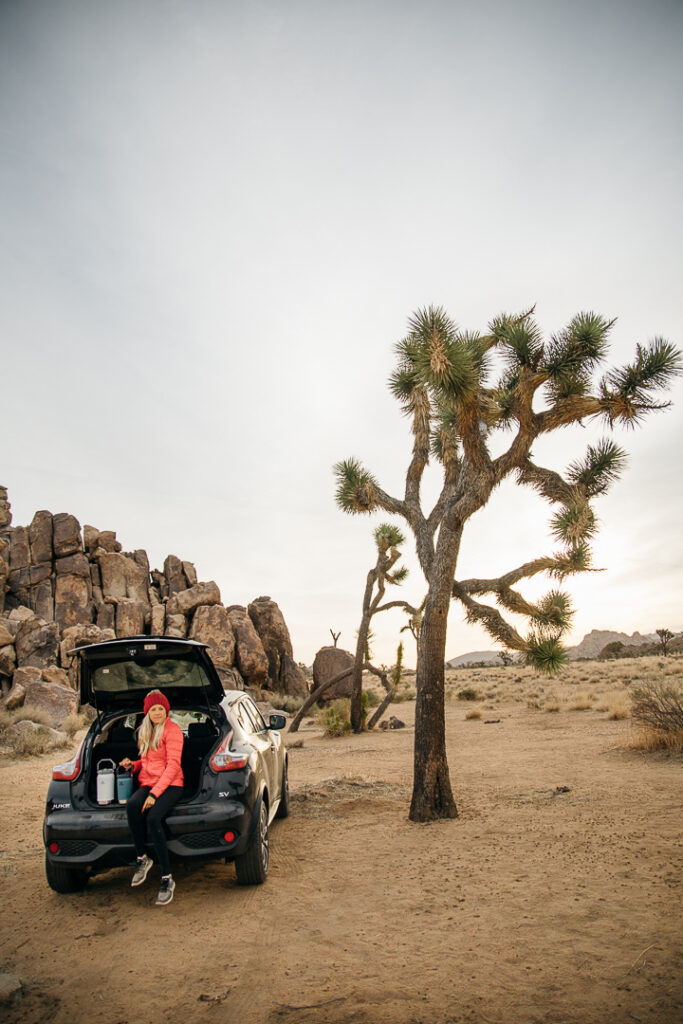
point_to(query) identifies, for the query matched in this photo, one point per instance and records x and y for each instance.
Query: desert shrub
(582, 702)
(648, 739)
(658, 705)
(74, 723)
(25, 714)
(286, 702)
(336, 718)
(372, 698)
(467, 694)
(473, 714)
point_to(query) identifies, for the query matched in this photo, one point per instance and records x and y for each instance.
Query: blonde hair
(149, 735)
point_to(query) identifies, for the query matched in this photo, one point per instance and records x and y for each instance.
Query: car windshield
(149, 674)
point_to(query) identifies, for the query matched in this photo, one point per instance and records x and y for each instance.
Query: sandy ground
(531, 907)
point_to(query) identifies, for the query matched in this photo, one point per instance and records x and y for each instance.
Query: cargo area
(118, 740)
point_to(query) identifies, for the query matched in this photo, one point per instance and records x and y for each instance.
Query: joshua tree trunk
(361, 654)
(432, 793)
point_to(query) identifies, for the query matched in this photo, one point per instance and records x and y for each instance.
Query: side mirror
(277, 722)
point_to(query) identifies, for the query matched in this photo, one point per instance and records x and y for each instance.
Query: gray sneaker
(166, 891)
(142, 870)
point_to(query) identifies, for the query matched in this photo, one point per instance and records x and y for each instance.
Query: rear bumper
(101, 839)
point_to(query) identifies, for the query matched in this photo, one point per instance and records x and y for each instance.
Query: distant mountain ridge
(589, 647)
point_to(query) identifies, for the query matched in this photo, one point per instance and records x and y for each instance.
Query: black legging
(152, 821)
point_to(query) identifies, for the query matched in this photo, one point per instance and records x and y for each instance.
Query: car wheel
(64, 880)
(283, 807)
(252, 866)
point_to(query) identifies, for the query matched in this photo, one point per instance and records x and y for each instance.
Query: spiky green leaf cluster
(627, 393)
(575, 559)
(546, 655)
(554, 614)
(399, 576)
(579, 348)
(600, 467)
(356, 490)
(574, 523)
(388, 536)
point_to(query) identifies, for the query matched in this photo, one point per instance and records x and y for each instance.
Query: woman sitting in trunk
(160, 776)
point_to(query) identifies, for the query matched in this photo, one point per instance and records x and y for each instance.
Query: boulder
(54, 737)
(66, 535)
(41, 600)
(160, 582)
(19, 583)
(190, 574)
(329, 662)
(185, 601)
(107, 540)
(292, 679)
(17, 615)
(40, 537)
(157, 620)
(141, 559)
(8, 660)
(392, 723)
(55, 675)
(72, 600)
(19, 552)
(15, 697)
(10, 989)
(176, 625)
(90, 538)
(6, 636)
(77, 564)
(5, 513)
(106, 616)
(175, 577)
(37, 643)
(230, 678)
(80, 636)
(113, 575)
(270, 625)
(55, 700)
(4, 573)
(39, 573)
(130, 617)
(250, 657)
(211, 626)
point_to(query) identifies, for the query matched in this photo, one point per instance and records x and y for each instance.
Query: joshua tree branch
(509, 579)
(491, 619)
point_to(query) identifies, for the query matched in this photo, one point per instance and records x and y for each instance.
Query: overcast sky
(217, 217)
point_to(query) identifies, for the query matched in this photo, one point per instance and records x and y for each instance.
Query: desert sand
(533, 906)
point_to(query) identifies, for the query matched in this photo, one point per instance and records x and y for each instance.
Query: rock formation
(330, 662)
(62, 587)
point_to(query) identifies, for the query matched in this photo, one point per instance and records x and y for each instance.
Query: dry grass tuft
(473, 714)
(648, 739)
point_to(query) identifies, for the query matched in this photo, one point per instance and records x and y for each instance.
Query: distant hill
(590, 647)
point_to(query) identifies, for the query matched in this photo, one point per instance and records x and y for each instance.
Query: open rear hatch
(117, 674)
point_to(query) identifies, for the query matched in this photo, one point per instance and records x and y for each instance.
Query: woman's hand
(126, 763)
(149, 802)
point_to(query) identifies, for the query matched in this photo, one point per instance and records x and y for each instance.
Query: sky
(217, 218)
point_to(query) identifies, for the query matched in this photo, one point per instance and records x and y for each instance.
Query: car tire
(283, 807)
(64, 880)
(252, 866)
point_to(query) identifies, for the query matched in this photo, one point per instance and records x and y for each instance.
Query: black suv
(234, 765)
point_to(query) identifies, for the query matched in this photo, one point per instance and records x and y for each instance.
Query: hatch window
(156, 673)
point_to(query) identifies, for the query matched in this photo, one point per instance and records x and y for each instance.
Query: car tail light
(224, 760)
(229, 837)
(68, 771)
(53, 847)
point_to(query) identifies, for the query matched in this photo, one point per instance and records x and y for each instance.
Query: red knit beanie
(155, 697)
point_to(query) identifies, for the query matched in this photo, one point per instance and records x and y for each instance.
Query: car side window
(254, 715)
(242, 718)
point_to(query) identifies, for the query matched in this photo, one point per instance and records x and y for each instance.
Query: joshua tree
(388, 540)
(335, 636)
(505, 658)
(665, 638)
(442, 384)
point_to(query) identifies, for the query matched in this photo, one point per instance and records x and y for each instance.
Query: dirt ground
(534, 906)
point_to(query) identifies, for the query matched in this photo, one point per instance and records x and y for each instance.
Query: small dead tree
(335, 636)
